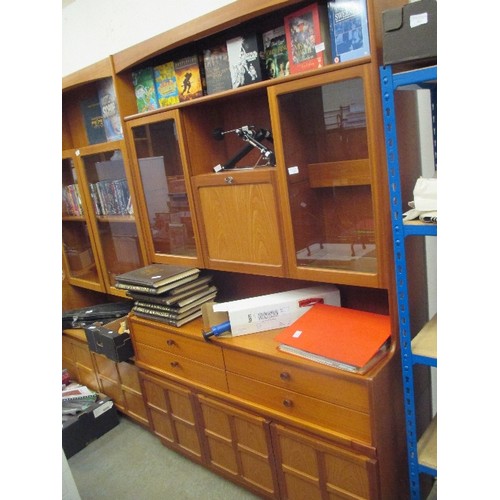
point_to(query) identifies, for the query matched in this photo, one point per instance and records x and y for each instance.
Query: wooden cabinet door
(311, 468)
(79, 363)
(132, 394)
(239, 446)
(238, 213)
(172, 415)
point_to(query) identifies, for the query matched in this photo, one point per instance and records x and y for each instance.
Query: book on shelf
(308, 38)
(168, 300)
(349, 34)
(93, 120)
(344, 338)
(145, 90)
(172, 295)
(245, 63)
(217, 72)
(201, 280)
(166, 84)
(72, 200)
(111, 197)
(157, 275)
(176, 309)
(154, 291)
(275, 53)
(171, 322)
(109, 109)
(190, 77)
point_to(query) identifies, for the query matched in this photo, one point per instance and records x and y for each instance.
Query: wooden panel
(323, 386)
(129, 375)
(106, 367)
(172, 415)
(178, 345)
(152, 358)
(340, 173)
(298, 406)
(239, 445)
(135, 406)
(239, 221)
(313, 468)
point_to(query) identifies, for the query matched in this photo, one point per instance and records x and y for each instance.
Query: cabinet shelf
(424, 345)
(427, 449)
(116, 218)
(418, 228)
(339, 173)
(73, 218)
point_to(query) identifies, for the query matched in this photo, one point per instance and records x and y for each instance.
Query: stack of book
(170, 294)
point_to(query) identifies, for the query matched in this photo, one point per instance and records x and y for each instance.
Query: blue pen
(217, 330)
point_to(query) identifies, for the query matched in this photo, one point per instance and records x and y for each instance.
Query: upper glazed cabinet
(165, 200)
(311, 204)
(100, 229)
(328, 150)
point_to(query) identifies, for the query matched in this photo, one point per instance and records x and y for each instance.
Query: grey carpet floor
(130, 463)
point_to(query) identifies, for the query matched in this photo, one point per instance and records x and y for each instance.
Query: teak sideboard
(280, 426)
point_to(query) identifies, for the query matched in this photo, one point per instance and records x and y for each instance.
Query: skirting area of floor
(130, 463)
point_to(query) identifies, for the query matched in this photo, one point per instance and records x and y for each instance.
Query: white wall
(94, 29)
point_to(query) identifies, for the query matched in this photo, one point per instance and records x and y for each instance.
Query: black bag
(103, 313)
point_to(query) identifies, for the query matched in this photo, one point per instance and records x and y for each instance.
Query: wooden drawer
(334, 417)
(174, 343)
(193, 371)
(324, 386)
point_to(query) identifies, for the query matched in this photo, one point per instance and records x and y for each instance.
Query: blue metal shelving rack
(391, 82)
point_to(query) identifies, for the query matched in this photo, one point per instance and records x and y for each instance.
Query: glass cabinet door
(109, 195)
(326, 166)
(79, 252)
(164, 193)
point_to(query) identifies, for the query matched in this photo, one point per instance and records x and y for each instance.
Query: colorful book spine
(109, 108)
(244, 53)
(275, 53)
(145, 91)
(308, 38)
(217, 72)
(190, 77)
(166, 84)
(349, 29)
(94, 122)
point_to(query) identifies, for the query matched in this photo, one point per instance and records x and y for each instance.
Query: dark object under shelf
(410, 32)
(80, 430)
(104, 313)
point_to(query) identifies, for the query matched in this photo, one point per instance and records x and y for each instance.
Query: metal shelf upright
(422, 453)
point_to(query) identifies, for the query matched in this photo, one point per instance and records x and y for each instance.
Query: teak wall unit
(320, 215)
(418, 342)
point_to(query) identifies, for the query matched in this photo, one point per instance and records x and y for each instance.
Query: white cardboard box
(276, 310)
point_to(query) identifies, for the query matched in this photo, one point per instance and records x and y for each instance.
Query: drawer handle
(170, 342)
(229, 179)
(288, 403)
(284, 376)
(174, 364)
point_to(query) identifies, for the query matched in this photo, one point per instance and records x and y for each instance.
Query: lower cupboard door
(313, 468)
(172, 416)
(239, 446)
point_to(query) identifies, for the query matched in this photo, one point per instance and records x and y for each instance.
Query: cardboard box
(276, 310)
(107, 340)
(80, 430)
(410, 32)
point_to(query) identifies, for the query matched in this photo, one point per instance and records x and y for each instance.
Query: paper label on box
(418, 20)
(103, 408)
